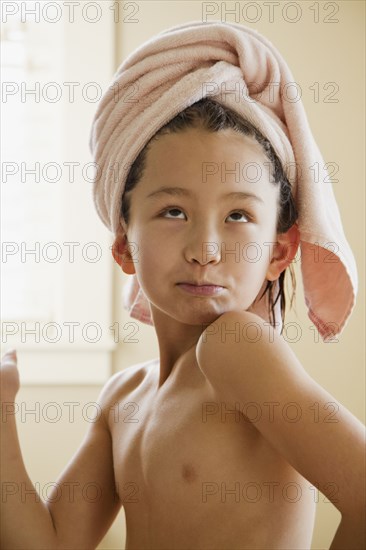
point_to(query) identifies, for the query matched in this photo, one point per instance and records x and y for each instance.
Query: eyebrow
(181, 192)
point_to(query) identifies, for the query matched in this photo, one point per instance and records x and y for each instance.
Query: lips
(196, 283)
(201, 289)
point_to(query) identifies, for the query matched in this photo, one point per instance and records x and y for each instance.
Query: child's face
(203, 235)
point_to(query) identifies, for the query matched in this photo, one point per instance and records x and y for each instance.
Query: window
(56, 263)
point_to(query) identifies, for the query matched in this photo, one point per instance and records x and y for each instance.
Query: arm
(71, 518)
(349, 535)
(326, 443)
(25, 519)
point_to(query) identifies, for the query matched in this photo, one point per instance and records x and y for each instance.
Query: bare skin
(174, 468)
(186, 467)
(191, 474)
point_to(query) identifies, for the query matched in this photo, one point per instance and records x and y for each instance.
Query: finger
(10, 356)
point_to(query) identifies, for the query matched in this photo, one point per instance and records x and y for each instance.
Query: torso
(191, 475)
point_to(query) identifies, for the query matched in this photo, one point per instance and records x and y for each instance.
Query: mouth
(199, 283)
(206, 289)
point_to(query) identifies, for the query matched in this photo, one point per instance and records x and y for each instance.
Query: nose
(202, 246)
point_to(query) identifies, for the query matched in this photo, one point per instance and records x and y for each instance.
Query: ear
(284, 252)
(121, 252)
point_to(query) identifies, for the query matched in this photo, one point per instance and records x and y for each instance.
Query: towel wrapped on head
(239, 68)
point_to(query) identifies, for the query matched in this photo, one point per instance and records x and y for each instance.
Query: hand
(9, 376)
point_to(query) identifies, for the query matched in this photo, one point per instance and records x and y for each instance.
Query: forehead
(195, 156)
(200, 144)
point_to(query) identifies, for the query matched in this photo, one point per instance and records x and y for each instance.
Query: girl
(223, 451)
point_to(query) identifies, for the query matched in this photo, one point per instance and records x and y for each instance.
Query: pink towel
(238, 67)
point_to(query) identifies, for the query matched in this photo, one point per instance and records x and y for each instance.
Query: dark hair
(210, 115)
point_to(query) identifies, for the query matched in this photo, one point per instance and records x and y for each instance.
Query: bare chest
(188, 444)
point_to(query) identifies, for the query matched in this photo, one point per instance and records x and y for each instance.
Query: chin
(198, 317)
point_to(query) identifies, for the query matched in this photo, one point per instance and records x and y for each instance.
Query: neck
(176, 342)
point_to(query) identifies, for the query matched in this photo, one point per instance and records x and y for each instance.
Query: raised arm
(313, 431)
(83, 502)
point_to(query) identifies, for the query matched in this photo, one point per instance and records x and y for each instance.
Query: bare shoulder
(94, 460)
(243, 344)
(123, 382)
(245, 326)
(299, 417)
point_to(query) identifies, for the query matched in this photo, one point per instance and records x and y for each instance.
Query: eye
(171, 210)
(173, 213)
(240, 213)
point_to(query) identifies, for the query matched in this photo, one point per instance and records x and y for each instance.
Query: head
(210, 150)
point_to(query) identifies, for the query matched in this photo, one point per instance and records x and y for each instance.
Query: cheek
(250, 251)
(161, 240)
(152, 256)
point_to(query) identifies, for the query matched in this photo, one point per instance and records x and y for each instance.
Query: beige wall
(316, 52)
